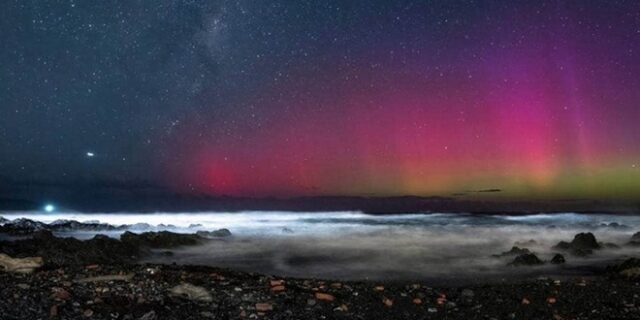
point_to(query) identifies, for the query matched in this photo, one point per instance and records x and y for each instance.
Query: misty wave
(353, 245)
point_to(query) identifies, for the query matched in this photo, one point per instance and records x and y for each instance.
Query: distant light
(49, 208)
(90, 154)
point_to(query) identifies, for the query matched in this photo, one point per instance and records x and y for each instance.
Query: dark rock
(527, 259)
(162, 239)
(214, 234)
(629, 268)
(635, 239)
(585, 241)
(558, 259)
(70, 251)
(72, 225)
(515, 251)
(22, 226)
(582, 244)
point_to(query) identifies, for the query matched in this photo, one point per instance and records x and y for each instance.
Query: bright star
(49, 208)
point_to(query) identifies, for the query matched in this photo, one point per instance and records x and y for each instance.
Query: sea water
(354, 245)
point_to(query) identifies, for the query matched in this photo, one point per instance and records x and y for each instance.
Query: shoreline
(104, 278)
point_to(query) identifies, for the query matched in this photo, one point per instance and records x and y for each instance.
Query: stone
(558, 259)
(515, 251)
(264, 307)
(151, 315)
(277, 288)
(324, 296)
(215, 233)
(527, 259)
(192, 292)
(20, 265)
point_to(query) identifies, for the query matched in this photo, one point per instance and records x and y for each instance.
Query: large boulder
(582, 244)
(527, 259)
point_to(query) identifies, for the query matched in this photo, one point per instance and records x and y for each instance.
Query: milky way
(284, 98)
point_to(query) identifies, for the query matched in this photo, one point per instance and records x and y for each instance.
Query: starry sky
(539, 99)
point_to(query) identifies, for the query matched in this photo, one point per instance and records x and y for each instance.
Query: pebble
(275, 283)
(151, 315)
(264, 307)
(277, 288)
(192, 292)
(324, 296)
(387, 302)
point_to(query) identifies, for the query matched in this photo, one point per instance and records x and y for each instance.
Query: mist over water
(352, 245)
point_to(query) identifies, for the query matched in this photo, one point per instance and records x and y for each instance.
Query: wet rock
(527, 259)
(558, 259)
(515, 251)
(287, 230)
(192, 292)
(635, 239)
(162, 239)
(214, 234)
(582, 244)
(21, 265)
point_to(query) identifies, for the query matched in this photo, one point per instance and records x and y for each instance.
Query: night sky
(293, 98)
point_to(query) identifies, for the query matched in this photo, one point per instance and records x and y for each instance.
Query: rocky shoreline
(49, 277)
